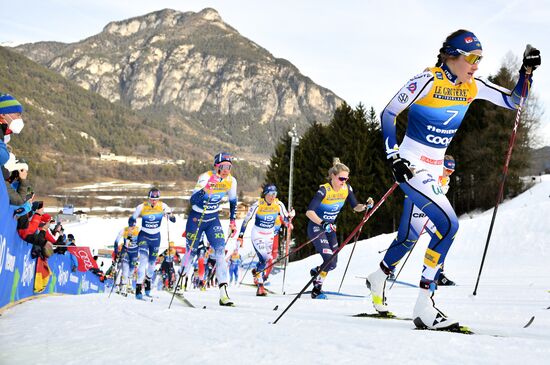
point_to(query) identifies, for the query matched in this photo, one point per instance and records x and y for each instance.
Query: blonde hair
(337, 167)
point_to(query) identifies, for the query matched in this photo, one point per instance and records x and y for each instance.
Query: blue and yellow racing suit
(437, 103)
(204, 218)
(327, 203)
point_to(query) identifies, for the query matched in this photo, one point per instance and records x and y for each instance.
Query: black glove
(400, 169)
(3, 129)
(531, 58)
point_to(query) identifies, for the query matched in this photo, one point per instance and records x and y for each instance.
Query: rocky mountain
(195, 71)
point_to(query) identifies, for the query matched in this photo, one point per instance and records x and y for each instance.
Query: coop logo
(439, 140)
(63, 277)
(93, 287)
(85, 259)
(28, 271)
(73, 278)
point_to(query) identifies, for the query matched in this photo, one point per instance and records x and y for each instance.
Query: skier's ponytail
(337, 167)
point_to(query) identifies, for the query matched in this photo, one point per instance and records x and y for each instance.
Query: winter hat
(8, 105)
(154, 194)
(270, 189)
(45, 218)
(222, 157)
(14, 164)
(466, 41)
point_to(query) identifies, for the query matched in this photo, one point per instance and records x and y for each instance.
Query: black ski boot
(317, 293)
(444, 281)
(139, 295)
(147, 284)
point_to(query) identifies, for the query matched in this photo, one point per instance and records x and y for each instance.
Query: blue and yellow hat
(8, 105)
(466, 42)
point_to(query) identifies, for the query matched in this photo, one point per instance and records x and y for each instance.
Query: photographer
(17, 184)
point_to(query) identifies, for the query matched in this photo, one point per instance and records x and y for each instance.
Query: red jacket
(33, 226)
(50, 237)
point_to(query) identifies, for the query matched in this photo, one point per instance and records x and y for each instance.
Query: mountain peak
(210, 14)
(159, 19)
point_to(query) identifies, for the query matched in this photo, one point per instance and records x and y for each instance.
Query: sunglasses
(343, 178)
(224, 167)
(471, 58)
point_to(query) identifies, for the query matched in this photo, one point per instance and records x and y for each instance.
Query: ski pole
(505, 171)
(409, 254)
(352, 250)
(326, 263)
(116, 275)
(188, 253)
(291, 252)
(213, 271)
(287, 246)
(248, 268)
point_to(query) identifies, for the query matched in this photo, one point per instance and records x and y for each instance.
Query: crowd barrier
(18, 270)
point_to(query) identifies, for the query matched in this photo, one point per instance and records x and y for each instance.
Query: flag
(42, 275)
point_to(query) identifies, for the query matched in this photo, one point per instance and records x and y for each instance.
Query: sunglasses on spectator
(471, 58)
(343, 178)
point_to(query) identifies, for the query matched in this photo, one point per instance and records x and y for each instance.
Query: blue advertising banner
(17, 267)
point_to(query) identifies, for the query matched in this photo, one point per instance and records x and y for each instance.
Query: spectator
(10, 122)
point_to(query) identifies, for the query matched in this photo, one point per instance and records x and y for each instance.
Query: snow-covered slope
(514, 286)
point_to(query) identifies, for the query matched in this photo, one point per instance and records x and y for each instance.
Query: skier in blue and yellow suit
(211, 188)
(437, 100)
(322, 212)
(151, 212)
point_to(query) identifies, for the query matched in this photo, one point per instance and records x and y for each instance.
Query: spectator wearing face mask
(10, 122)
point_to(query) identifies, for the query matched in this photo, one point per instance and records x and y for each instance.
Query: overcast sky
(364, 51)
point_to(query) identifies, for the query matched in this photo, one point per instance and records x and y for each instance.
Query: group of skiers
(437, 100)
